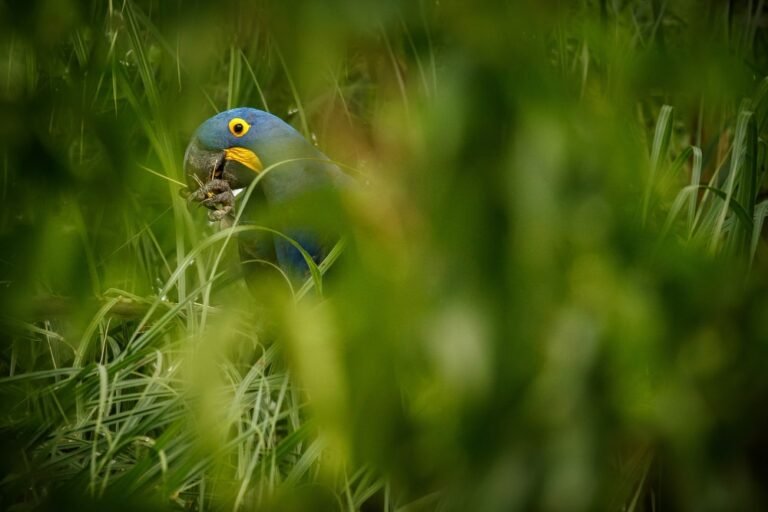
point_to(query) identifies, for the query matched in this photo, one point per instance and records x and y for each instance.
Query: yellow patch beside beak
(245, 156)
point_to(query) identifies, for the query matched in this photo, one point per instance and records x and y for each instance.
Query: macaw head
(237, 145)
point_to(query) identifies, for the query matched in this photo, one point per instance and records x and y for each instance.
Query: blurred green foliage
(553, 295)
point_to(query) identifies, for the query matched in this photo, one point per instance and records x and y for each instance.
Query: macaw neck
(285, 147)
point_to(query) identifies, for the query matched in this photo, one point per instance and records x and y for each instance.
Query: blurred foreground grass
(553, 295)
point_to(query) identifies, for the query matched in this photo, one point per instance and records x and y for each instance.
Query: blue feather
(306, 172)
(291, 260)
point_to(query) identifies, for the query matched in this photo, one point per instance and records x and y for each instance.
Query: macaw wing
(291, 259)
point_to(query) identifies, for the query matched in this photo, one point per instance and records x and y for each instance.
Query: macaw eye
(238, 127)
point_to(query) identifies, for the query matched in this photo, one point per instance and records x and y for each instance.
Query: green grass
(551, 294)
(728, 214)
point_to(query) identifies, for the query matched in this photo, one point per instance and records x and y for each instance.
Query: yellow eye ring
(238, 127)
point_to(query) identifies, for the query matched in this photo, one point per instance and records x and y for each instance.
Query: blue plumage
(230, 149)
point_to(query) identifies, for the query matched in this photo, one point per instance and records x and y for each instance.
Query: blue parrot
(229, 150)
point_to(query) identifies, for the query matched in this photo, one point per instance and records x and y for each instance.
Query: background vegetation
(553, 293)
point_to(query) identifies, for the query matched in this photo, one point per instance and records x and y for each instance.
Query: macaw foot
(217, 196)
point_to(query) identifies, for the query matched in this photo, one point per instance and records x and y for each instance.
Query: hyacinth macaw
(229, 150)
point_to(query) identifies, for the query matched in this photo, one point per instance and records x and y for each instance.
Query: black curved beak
(237, 166)
(202, 165)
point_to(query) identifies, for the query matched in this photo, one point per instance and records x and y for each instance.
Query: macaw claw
(217, 215)
(217, 196)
